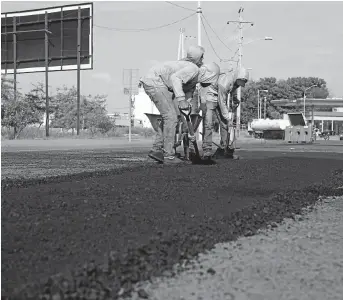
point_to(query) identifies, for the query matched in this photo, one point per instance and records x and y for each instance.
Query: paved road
(148, 217)
(300, 259)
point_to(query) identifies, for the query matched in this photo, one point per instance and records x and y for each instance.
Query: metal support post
(78, 69)
(46, 52)
(15, 58)
(130, 105)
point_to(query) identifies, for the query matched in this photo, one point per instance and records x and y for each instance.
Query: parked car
(341, 137)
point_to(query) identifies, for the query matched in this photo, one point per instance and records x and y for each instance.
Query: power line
(215, 32)
(143, 29)
(209, 40)
(180, 6)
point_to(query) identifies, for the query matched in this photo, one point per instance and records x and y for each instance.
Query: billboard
(62, 47)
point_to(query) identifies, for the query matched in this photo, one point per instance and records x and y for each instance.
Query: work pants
(211, 113)
(165, 135)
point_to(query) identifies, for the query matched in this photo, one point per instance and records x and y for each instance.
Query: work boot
(229, 152)
(156, 155)
(207, 154)
(172, 159)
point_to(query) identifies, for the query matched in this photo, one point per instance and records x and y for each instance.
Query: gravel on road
(300, 259)
(144, 219)
(43, 164)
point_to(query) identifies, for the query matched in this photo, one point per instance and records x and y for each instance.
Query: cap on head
(241, 74)
(241, 82)
(241, 77)
(195, 54)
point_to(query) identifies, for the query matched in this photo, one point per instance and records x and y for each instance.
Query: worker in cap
(214, 104)
(170, 86)
(195, 54)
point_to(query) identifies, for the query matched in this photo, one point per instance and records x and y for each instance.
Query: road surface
(105, 219)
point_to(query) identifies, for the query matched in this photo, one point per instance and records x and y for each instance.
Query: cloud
(102, 76)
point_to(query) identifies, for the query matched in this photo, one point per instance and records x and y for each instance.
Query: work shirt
(218, 92)
(180, 77)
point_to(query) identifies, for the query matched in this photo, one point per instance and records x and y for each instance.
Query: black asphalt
(137, 222)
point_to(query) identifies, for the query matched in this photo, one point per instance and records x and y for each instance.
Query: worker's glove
(235, 101)
(183, 104)
(191, 138)
(235, 106)
(229, 123)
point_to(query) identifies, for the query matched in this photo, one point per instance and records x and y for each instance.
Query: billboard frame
(53, 9)
(47, 68)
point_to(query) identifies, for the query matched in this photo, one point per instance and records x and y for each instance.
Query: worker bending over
(214, 103)
(171, 85)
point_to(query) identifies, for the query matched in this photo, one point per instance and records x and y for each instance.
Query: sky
(307, 41)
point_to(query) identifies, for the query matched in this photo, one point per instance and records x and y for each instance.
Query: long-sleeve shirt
(219, 92)
(180, 77)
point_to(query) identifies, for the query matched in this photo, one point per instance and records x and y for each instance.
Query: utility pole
(181, 49)
(130, 88)
(240, 23)
(180, 53)
(199, 12)
(239, 90)
(130, 106)
(183, 44)
(265, 107)
(258, 104)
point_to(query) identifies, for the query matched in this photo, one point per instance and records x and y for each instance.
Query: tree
(19, 113)
(93, 113)
(299, 84)
(292, 88)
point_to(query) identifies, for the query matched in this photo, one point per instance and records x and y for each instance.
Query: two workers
(171, 86)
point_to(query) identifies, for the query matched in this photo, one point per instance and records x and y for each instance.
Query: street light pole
(265, 108)
(259, 104)
(266, 38)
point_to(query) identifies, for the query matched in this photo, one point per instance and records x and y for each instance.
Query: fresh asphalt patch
(96, 234)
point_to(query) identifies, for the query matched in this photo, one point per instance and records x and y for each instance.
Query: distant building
(323, 119)
(122, 119)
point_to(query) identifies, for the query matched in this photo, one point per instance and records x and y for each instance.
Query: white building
(143, 105)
